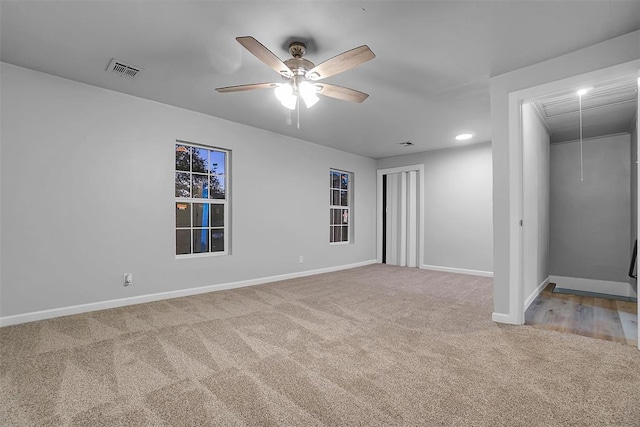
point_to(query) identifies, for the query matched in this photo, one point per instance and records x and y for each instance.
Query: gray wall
(535, 201)
(87, 194)
(590, 220)
(633, 161)
(457, 205)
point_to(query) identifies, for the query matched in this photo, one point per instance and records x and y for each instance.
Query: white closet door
(412, 219)
(392, 219)
(402, 219)
(401, 224)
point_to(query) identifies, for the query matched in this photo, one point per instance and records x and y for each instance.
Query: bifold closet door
(402, 223)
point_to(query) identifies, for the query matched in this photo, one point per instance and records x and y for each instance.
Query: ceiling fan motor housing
(297, 49)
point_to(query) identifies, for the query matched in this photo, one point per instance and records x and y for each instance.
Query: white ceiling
(429, 81)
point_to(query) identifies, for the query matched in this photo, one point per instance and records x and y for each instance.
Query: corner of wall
(537, 291)
(504, 318)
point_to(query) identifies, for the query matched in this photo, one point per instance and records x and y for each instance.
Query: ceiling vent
(123, 69)
(406, 143)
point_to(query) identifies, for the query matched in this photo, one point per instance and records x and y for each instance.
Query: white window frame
(348, 207)
(193, 200)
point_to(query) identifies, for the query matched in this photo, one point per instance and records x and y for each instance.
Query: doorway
(400, 216)
(579, 208)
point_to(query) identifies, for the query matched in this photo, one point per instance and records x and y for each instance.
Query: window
(201, 199)
(340, 185)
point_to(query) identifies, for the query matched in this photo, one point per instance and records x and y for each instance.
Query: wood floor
(600, 318)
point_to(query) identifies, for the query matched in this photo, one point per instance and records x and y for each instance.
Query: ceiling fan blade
(242, 88)
(341, 63)
(264, 55)
(339, 92)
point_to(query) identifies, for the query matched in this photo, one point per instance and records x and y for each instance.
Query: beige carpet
(373, 346)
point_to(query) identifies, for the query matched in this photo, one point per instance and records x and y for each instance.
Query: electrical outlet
(128, 279)
(300, 259)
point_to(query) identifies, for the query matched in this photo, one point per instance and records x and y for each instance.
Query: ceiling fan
(300, 76)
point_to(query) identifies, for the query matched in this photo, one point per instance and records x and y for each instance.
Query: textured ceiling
(429, 81)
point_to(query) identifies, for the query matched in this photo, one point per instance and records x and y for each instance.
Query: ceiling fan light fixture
(286, 96)
(308, 93)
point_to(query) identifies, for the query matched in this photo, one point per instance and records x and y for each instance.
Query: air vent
(123, 69)
(406, 143)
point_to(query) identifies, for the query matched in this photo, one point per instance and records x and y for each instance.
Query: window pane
(345, 216)
(345, 181)
(200, 160)
(183, 184)
(183, 215)
(200, 240)
(217, 215)
(217, 162)
(335, 197)
(344, 198)
(183, 158)
(217, 240)
(183, 242)
(200, 186)
(217, 187)
(201, 214)
(335, 216)
(331, 238)
(335, 179)
(337, 234)
(345, 234)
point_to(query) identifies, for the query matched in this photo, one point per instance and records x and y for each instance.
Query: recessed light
(464, 136)
(584, 91)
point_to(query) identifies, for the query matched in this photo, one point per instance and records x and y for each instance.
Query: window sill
(202, 255)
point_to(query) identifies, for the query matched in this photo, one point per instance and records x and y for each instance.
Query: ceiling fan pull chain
(581, 156)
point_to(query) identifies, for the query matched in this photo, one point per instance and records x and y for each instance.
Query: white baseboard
(504, 318)
(535, 293)
(592, 285)
(121, 302)
(457, 270)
